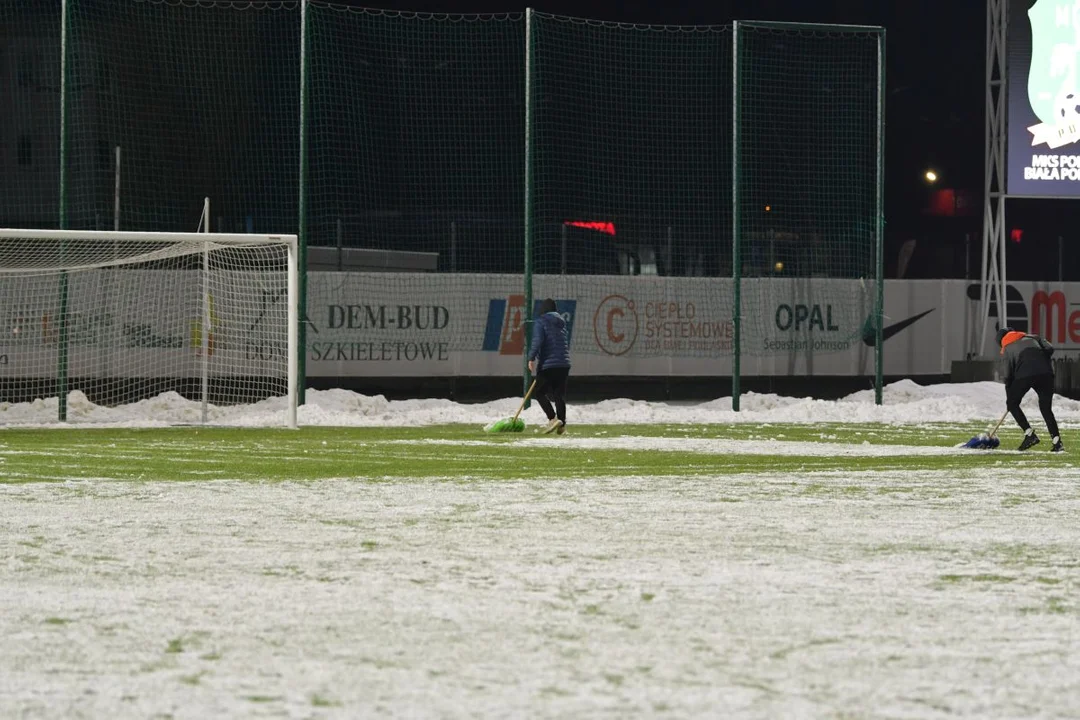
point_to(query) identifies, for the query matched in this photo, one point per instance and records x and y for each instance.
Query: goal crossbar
(126, 236)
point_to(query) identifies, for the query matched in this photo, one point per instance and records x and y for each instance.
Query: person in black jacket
(549, 361)
(1028, 367)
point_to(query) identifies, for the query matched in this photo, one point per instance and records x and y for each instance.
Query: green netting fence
(630, 146)
(807, 195)
(414, 126)
(171, 103)
(30, 35)
(414, 133)
(706, 199)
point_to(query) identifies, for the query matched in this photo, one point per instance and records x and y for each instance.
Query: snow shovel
(986, 441)
(512, 424)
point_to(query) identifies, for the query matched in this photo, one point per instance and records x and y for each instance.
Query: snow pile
(905, 402)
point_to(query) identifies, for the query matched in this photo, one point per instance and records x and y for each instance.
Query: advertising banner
(419, 325)
(144, 324)
(1043, 48)
(473, 325)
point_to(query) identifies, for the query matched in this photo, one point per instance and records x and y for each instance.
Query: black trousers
(1041, 384)
(551, 388)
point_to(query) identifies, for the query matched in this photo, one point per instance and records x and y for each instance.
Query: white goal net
(121, 317)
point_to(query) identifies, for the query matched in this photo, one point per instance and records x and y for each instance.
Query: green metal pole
(527, 321)
(879, 227)
(301, 251)
(736, 254)
(62, 339)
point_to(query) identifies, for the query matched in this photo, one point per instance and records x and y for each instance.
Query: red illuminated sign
(605, 227)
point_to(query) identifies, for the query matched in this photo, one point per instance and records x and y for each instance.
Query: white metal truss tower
(993, 255)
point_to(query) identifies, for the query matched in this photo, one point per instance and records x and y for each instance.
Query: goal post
(103, 319)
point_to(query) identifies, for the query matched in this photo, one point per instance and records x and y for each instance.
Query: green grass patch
(321, 701)
(193, 679)
(376, 454)
(262, 698)
(977, 578)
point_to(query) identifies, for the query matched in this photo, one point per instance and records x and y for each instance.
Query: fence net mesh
(432, 142)
(30, 128)
(202, 100)
(416, 154)
(631, 177)
(807, 186)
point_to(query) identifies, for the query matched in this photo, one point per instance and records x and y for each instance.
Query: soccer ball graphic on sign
(1069, 108)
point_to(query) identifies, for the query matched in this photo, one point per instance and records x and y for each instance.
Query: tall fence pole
(526, 320)
(668, 255)
(736, 254)
(562, 235)
(62, 346)
(453, 246)
(116, 192)
(301, 251)
(879, 228)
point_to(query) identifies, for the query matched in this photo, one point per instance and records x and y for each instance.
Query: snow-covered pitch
(893, 594)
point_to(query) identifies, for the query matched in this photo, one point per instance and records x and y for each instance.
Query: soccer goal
(181, 326)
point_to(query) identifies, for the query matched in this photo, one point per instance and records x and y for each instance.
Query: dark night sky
(935, 72)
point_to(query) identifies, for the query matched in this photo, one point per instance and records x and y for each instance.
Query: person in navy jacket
(549, 361)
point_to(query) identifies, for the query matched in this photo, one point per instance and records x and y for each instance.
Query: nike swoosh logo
(889, 330)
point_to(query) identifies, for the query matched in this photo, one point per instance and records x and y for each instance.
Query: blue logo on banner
(504, 331)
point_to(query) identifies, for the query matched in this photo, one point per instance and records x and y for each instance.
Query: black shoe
(1058, 446)
(1029, 441)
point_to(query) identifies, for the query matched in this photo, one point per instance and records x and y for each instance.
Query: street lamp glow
(931, 176)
